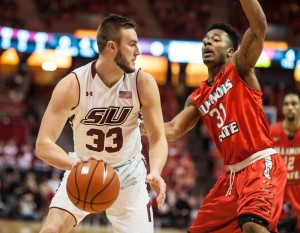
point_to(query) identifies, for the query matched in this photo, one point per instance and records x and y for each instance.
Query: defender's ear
(229, 52)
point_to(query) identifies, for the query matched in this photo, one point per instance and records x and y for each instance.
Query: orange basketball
(93, 186)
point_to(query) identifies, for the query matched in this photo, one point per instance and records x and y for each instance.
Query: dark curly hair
(233, 35)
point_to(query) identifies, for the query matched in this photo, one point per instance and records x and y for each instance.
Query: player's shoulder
(67, 85)
(144, 77)
(86, 70)
(89, 65)
(143, 74)
(66, 92)
(69, 80)
(146, 84)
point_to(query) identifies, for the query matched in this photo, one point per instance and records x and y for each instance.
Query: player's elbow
(261, 28)
(178, 132)
(173, 132)
(39, 148)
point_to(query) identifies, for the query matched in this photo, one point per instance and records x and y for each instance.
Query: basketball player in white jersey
(102, 101)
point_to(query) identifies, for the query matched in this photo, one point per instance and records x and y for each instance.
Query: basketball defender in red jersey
(286, 137)
(249, 197)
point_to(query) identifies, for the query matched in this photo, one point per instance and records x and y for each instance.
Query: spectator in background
(10, 151)
(54, 181)
(25, 159)
(11, 188)
(27, 206)
(30, 199)
(286, 138)
(2, 159)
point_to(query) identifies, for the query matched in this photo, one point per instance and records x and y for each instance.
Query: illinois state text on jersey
(229, 106)
(289, 149)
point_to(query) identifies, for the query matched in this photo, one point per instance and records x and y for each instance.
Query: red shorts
(291, 195)
(253, 192)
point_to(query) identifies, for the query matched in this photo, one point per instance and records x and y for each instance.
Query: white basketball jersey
(105, 122)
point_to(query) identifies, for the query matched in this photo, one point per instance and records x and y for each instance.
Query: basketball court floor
(11, 226)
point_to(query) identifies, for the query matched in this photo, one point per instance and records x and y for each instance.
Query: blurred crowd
(175, 19)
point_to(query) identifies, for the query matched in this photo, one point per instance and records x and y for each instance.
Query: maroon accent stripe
(93, 68)
(79, 90)
(137, 90)
(148, 211)
(67, 212)
(145, 162)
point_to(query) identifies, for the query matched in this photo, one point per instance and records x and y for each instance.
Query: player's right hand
(88, 158)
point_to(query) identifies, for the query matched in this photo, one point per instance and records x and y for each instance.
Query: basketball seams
(113, 177)
(95, 203)
(88, 200)
(107, 185)
(76, 184)
(76, 197)
(89, 185)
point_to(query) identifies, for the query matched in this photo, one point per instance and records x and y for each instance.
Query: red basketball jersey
(233, 114)
(289, 149)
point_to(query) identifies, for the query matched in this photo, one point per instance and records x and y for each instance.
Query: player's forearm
(174, 130)
(172, 134)
(54, 155)
(255, 16)
(158, 154)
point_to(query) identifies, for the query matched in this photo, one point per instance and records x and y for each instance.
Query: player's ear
(229, 52)
(111, 45)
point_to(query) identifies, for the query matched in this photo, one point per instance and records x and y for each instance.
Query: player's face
(291, 107)
(216, 45)
(127, 50)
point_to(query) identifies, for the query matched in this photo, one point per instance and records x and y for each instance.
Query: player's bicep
(186, 119)
(52, 123)
(249, 51)
(151, 106)
(63, 98)
(246, 57)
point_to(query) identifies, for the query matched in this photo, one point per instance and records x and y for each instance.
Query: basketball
(93, 186)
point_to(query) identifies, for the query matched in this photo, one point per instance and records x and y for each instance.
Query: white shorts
(131, 212)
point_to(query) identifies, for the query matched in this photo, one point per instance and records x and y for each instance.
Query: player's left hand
(159, 186)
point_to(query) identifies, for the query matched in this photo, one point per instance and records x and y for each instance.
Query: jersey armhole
(78, 89)
(137, 89)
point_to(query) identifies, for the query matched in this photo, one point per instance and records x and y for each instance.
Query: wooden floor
(9, 226)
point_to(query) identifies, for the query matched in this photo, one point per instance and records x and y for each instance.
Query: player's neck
(109, 74)
(290, 127)
(218, 73)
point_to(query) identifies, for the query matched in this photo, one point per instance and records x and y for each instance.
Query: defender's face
(291, 107)
(127, 50)
(216, 45)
